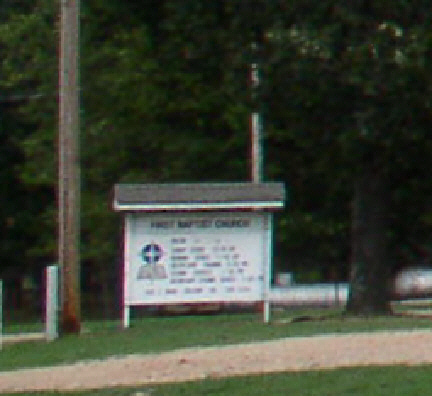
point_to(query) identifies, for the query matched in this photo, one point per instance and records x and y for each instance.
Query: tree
(166, 97)
(28, 98)
(360, 73)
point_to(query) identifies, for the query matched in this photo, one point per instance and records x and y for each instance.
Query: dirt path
(290, 354)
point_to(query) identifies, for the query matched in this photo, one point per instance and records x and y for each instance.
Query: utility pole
(69, 170)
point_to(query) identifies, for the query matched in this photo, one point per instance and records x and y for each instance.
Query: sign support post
(127, 236)
(126, 316)
(268, 254)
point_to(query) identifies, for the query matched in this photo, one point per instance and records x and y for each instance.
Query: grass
(24, 327)
(364, 381)
(156, 334)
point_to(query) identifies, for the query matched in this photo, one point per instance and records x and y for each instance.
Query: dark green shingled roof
(193, 196)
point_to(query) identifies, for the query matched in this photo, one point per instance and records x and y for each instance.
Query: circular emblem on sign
(153, 267)
(151, 253)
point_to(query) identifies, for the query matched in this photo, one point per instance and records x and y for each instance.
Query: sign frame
(212, 216)
(233, 247)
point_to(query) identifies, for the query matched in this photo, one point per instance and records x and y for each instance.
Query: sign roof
(198, 196)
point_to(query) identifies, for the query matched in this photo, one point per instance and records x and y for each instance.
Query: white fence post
(52, 303)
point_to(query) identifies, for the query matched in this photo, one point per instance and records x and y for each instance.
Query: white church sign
(195, 256)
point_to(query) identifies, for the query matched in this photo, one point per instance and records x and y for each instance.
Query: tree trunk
(369, 291)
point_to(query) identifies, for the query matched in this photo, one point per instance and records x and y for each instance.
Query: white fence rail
(314, 294)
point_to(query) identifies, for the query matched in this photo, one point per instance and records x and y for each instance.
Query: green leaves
(166, 96)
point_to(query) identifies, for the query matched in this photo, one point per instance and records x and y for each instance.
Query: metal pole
(69, 172)
(256, 130)
(256, 122)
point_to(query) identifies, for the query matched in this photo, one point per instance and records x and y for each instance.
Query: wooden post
(69, 171)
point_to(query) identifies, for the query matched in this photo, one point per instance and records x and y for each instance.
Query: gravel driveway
(290, 354)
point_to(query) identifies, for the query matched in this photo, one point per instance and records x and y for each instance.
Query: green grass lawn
(366, 381)
(156, 334)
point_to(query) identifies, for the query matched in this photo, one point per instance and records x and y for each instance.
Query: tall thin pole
(69, 170)
(256, 124)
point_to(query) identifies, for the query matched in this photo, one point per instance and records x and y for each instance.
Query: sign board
(195, 257)
(197, 242)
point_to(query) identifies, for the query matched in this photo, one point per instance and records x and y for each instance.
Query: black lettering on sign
(177, 281)
(184, 224)
(162, 224)
(178, 273)
(213, 264)
(202, 257)
(202, 272)
(227, 279)
(189, 290)
(179, 265)
(234, 223)
(178, 241)
(207, 280)
(179, 258)
(194, 223)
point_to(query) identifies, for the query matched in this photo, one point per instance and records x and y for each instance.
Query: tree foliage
(345, 97)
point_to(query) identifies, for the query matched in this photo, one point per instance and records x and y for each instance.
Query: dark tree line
(345, 98)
